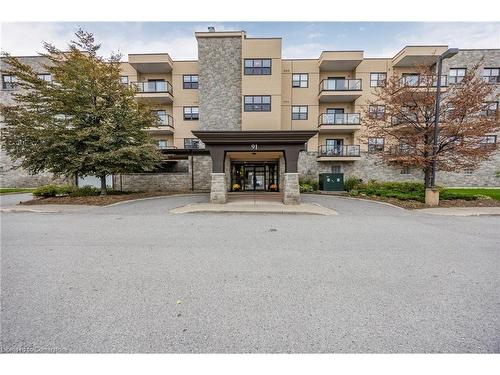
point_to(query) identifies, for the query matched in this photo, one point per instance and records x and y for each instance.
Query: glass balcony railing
(340, 119)
(165, 120)
(340, 85)
(154, 86)
(337, 151)
(416, 80)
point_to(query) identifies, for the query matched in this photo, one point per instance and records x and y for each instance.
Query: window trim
(490, 76)
(375, 151)
(377, 117)
(190, 114)
(300, 80)
(190, 82)
(10, 85)
(262, 60)
(121, 80)
(253, 103)
(300, 113)
(451, 78)
(378, 80)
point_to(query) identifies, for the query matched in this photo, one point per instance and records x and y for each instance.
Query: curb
(361, 199)
(150, 198)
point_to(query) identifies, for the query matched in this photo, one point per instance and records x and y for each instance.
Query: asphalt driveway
(135, 278)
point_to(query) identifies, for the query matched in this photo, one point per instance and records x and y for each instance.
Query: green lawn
(15, 190)
(493, 193)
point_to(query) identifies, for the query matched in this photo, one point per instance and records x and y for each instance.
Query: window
(411, 79)
(261, 103)
(191, 113)
(491, 75)
(257, 67)
(162, 144)
(456, 75)
(406, 170)
(124, 80)
(378, 79)
(376, 112)
(45, 77)
(375, 144)
(489, 140)
(300, 80)
(190, 81)
(9, 82)
(192, 143)
(468, 171)
(299, 112)
(490, 109)
(162, 116)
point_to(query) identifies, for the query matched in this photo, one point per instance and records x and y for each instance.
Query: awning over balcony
(221, 142)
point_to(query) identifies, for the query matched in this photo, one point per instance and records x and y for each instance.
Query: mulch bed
(442, 203)
(99, 200)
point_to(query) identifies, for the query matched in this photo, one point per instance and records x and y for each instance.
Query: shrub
(46, 191)
(399, 190)
(86, 191)
(352, 183)
(307, 186)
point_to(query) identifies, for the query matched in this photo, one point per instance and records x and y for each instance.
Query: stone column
(218, 190)
(291, 192)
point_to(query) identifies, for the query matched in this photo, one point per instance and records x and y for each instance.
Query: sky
(300, 39)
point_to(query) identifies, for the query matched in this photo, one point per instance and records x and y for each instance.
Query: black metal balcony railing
(340, 119)
(336, 151)
(153, 86)
(165, 120)
(423, 81)
(340, 85)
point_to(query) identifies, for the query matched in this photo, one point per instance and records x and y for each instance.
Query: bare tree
(403, 111)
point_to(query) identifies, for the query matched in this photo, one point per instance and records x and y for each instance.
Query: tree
(403, 113)
(82, 122)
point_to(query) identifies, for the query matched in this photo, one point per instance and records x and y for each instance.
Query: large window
(191, 113)
(456, 75)
(378, 79)
(299, 112)
(375, 144)
(161, 114)
(258, 103)
(257, 67)
(376, 112)
(491, 75)
(190, 81)
(162, 144)
(124, 80)
(491, 109)
(300, 80)
(9, 82)
(45, 77)
(411, 79)
(489, 140)
(192, 143)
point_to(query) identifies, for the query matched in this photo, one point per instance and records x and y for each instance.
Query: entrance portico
(251, 160)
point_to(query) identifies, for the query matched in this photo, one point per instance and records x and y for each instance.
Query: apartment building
(243, 118)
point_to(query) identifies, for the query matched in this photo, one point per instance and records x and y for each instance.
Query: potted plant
(273, 187)
(236, 187)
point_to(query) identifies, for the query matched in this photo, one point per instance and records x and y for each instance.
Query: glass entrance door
(261, 176)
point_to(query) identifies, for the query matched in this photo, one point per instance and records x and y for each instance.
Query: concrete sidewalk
(251, 206)
(462, 211)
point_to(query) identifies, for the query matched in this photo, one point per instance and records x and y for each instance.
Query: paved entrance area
(135, 277)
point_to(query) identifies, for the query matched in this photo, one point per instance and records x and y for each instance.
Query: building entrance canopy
(291, 143)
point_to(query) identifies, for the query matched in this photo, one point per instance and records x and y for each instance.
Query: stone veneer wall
(10, 173)
(219, 83)
(372, 167)
(179, 181)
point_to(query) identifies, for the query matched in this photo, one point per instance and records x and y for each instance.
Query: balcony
(417, 80)
(338, 153)
(339, 122)
(411, 56)
(154, 92)
(151, 63)
(164, 126)
(340, 60)
(339, 90)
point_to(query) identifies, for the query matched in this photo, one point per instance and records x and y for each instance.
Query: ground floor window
(254, 176)
(406, 170)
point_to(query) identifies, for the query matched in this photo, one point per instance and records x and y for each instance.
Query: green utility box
(331, 181)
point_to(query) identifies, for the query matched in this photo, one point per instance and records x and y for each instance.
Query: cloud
(461, 35)
(314, 35)
(302, 51)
